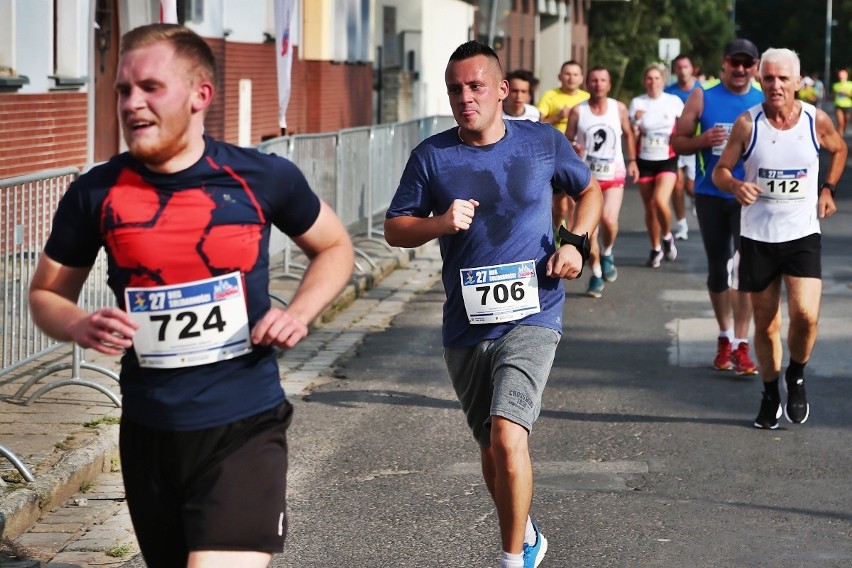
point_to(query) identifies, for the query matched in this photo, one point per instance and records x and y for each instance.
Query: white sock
(596, 270)
(736, 342)
(727, 333)
(511, 560)
(681, 224)
(669, 237)
(607, 251)
(530, 538)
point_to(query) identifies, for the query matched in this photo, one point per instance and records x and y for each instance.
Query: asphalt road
(644, 455)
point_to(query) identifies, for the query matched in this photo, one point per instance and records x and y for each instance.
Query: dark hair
(523, 75)
(681, 57)
(188, 45)
(472, 49)
(572, 62)
(597, 68)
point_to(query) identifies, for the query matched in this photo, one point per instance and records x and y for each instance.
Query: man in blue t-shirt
(703, 129)
(484, 190)
(185, 221)
(685, 184)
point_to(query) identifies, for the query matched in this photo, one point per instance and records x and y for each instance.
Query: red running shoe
(722, 362)
(743, 365)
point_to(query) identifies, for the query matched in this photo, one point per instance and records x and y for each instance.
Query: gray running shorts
(503, 377)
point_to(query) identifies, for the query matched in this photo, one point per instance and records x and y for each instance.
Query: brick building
(355, 62)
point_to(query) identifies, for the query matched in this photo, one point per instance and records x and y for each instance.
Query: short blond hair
(187, 44)
(658, 67)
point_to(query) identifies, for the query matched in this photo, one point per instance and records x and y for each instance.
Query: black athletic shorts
(761, 263)
(649, 169)
(719, 220)
(220, 488)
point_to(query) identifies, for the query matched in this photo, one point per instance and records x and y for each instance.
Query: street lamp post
(827, 70)
(734, 17)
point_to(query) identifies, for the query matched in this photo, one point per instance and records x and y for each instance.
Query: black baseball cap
(741, 47)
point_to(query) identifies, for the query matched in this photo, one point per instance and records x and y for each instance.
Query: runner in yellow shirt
(842, 91)
(555, 105)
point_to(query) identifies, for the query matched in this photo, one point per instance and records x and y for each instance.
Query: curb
(21, 508)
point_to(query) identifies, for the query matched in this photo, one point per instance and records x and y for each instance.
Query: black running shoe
(655, 259)
(797, 409)
(669, 248)
(770, 412)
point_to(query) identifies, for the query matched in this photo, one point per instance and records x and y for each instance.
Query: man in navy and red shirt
(185, 221)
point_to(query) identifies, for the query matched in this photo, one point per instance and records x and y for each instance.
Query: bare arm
(567, 262)
(629, 141)
(410, 231)
(723, 176)
(53, 295)
(329, 249)
(685, 141)
(588, 209)
(549, 114)
(556, 117)
(830, 140)
(571, 131)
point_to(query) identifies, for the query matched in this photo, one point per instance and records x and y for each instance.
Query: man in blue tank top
(703, 129)
(484, 191)
(782, 201)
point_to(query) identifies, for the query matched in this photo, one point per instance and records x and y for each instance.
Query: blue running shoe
(610, 272)
(596, 286)
(533, 555)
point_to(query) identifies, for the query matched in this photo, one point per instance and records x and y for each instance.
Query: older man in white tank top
(782, 201)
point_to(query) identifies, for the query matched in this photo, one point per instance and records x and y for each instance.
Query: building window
(70, 38)
(352, 27)
(190, 11)
(7, 36)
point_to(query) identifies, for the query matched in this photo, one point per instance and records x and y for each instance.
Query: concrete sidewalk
(68, 437)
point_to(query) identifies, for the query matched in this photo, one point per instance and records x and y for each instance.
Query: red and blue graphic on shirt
(173, 237)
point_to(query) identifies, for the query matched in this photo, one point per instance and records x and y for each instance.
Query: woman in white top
(654, 115)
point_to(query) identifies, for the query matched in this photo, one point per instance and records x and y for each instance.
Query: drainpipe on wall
(492, 21)
(90, 89)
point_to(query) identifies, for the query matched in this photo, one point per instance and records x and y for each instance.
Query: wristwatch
(830, 187)
(580, 242)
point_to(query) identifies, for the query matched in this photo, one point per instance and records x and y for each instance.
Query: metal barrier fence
(354, 170)
(27, 204)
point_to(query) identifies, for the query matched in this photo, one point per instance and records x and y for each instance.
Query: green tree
(798, 26)
(624, 36)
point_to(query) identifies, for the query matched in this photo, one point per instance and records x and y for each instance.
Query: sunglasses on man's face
(745, 62)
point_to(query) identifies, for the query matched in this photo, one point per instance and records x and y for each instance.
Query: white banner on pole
(168, 12)
(283, 54)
